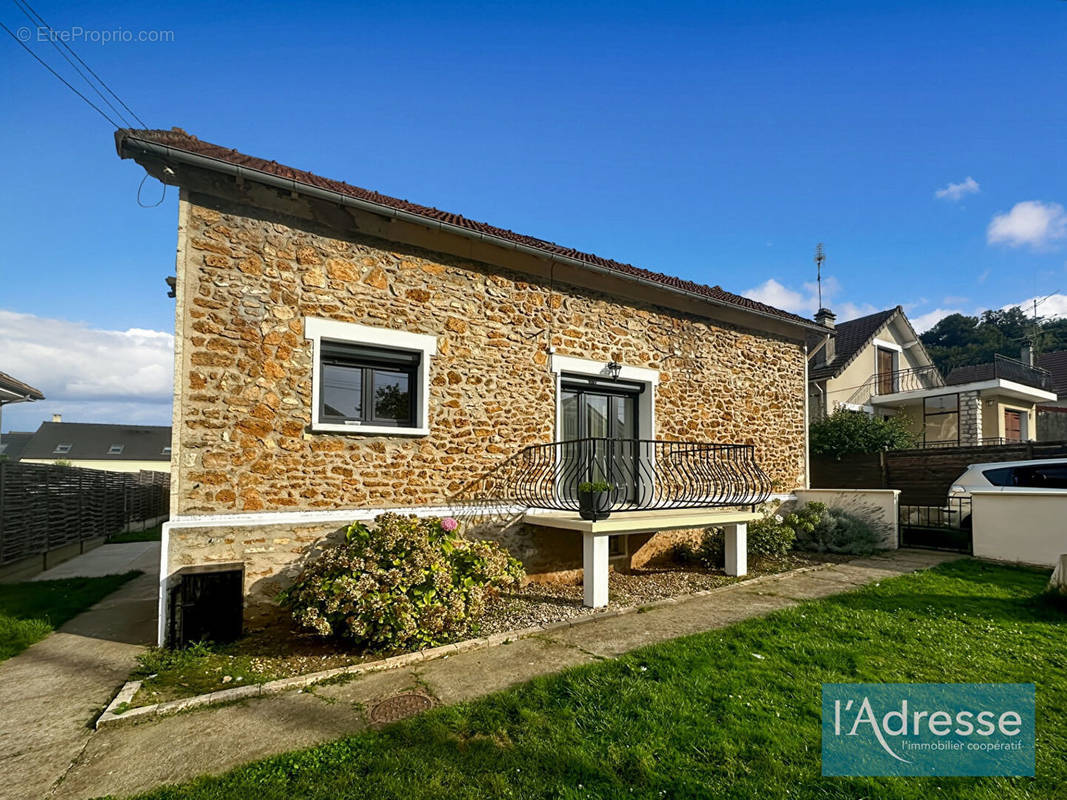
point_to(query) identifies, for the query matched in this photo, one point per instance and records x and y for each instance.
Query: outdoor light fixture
(614, 368)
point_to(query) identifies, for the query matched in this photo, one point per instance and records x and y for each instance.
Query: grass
(702, 716)
(30, 611)
(153, 534)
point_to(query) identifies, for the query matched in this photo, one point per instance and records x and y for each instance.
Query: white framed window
(369, 380)
(116, 449)
(62, 448)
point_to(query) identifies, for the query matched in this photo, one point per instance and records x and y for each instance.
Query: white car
(1009, 476)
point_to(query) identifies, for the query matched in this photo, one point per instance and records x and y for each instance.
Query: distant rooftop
(83, 441)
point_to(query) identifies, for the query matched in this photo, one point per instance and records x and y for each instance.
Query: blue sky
(718, 142)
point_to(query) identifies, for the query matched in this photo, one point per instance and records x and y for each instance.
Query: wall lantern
(614, 368)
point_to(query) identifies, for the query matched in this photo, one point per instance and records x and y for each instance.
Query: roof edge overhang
(128, 145)
(999, 386)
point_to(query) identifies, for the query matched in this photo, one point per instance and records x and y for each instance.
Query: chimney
(1026, 355)
(57, 418)
(826, 317)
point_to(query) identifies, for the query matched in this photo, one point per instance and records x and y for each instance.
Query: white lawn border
(113, 715)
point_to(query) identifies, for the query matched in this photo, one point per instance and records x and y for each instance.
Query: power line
(27, 9)
(58, 76)
(52, 39)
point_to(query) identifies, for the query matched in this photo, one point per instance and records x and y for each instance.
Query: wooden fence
(44, 506)
(923, 476)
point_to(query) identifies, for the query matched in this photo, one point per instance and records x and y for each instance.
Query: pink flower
(449, 524)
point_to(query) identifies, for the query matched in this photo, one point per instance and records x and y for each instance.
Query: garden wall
(1026, 527)
(880, 505)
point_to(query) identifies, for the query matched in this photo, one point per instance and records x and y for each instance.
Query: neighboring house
(878, 365)
(340, 352)
(12, 444)
(118, 448)
(1052, 417)
(12, 390)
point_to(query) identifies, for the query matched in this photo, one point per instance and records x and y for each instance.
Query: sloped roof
(12, 444)
(89, 440)
(1056, 364)
(852, 336)
(15, 386)
(178, 139)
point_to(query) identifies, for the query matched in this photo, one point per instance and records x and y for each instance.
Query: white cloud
(1051, 306)
(99, 375)
(924, 322)
(955, 191)
(806, 300)
(1029, 223)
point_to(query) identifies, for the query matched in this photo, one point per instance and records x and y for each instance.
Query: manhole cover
(400, 707)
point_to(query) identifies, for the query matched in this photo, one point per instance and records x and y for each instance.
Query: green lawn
(704, 717)
(30, 611)
(153, 534)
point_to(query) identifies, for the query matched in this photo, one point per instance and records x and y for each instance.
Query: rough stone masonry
(248, 278)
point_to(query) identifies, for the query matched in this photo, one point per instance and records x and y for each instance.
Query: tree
(845, 432)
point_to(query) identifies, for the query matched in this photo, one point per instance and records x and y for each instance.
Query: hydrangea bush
(406, 582)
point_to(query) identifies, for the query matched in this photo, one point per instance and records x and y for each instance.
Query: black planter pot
(594, 505)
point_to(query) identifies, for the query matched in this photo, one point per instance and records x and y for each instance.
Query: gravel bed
(544, 603)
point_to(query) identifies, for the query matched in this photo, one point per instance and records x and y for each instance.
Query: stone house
(339, 352)
(877, 364)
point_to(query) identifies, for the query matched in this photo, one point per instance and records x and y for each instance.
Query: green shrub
(769, 537)
(833, 530)
(845, 432)
(407, 582)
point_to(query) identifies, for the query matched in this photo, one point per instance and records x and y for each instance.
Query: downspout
(292, 186)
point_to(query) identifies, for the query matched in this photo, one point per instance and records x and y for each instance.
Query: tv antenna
(820, 257)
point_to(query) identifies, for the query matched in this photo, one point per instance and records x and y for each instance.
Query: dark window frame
(369, 360)
(955, 412)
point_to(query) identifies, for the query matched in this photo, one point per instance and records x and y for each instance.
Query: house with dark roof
(12, 444)
(117, 448)
(878, 365)
(341, 352)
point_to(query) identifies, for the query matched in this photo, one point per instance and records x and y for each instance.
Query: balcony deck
(622, 522)
(595, 537)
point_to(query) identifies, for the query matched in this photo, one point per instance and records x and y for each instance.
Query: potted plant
(595, 500)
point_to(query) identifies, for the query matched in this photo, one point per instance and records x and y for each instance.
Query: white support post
(737, 549)
(595, 569)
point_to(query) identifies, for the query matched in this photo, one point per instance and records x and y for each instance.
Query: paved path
(51, 693)
(108, 559)
(128, 759)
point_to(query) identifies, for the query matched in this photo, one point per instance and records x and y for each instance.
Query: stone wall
(250, 278)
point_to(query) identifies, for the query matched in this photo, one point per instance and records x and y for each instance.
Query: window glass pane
(942, 428)
(570, 416)
(596, 415)
(342, 391)
(1002, 476)
(945, 402)
(392, 396)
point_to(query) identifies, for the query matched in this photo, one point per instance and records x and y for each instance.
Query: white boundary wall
(881, 504)
(1025, 527)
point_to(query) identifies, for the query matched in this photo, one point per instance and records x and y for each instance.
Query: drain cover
(400, 707)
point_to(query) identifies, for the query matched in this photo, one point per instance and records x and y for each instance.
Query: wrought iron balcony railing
(644, 474)
(903, 380)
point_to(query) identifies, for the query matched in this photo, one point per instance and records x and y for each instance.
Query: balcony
(904, 380)
(655, 486)
(645, 474)
(1003, 368)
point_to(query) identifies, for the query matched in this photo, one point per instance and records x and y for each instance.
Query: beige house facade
(878, 365)
(339, 353)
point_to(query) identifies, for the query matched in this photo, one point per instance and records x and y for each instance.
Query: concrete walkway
(128, 759)
(108, 559)
(51, 692)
